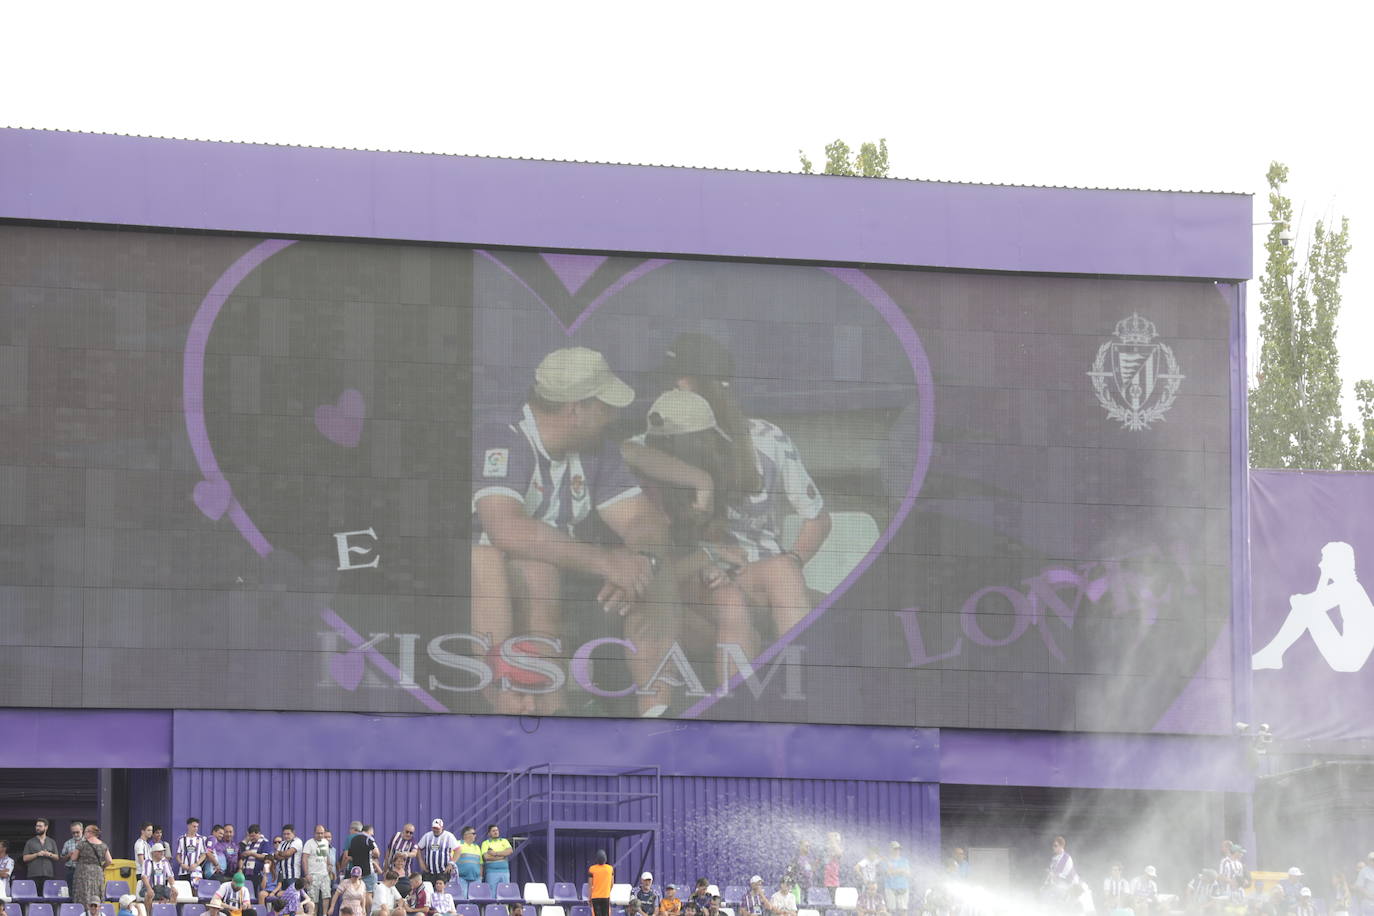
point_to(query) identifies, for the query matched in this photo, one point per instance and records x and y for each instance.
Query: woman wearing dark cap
(766, 482)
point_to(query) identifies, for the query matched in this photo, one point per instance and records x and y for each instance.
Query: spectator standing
(69, 851)
(897, 893)
(961, 861)
(143, 846)
(645, 894)
(1231, 871)
(1304, 905)
(1290, 888)
(867, 868)
(40, 854)
(436, 851)
(804, 866)
(319, 869)
(403, 844)
(1364, 886)
(834, 854)
(6, 870)
(254, 853)
(755, 901)
(158, 877)
(469, 860)
(91, 856)
(192, 851)
(361, 853)
(1340, 894)
(600, 878)
(216, 866)
(496, 851)
(286, 859)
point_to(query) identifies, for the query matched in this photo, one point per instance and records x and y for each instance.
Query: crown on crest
(1135, 330)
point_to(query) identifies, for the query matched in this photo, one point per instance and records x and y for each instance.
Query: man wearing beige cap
(536, 483)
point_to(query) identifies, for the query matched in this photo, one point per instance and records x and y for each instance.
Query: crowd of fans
(1227, 889)
(429, 873)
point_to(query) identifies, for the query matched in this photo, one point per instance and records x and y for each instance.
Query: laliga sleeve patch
(496, 462)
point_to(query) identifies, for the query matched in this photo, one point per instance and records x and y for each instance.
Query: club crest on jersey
(577, 486)
(1135, 376)
(496, 463)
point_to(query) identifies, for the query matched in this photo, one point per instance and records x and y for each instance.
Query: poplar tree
(1295, 403)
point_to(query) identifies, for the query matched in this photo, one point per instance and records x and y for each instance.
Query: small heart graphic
(342, 421)
(347, 669)
(213, 498)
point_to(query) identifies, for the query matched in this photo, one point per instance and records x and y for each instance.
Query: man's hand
(627, 575)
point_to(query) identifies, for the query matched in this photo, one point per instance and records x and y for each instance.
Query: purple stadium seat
(164, 909)
(585, 889)
(818, 897)
(108, 909)
(580, 909)
(732, 895)
(834, 913)
(116, 889)
(617, 911)
(206, 890)
(496, 909)
(13, 909)
(67, 909)
(193, 909)
(565, 892)
(480, 892)
(45, 909)
(508, 892)
(23, 890)
(468, 909)
(56, 889)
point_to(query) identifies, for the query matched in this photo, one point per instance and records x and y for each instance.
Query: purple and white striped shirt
(400, 843)
(190, 850)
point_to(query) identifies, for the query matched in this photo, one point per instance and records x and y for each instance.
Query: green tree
(1295, 404)
(869, 162)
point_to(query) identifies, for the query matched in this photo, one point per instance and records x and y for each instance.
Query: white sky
(1195, 96)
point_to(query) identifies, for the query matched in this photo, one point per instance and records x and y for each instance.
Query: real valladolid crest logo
(1135, 376)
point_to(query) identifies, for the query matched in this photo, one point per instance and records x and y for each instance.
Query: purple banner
(1312, 622)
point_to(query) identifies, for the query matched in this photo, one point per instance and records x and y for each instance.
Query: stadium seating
(846, 898)
(852, 536)
(184, 892)
(13, 909)
(732, 894)
(585, 890)
(193, 909)
(468, 909)
(108, 909)
(808, 912)
(23, 890)
(565, 892)
(580, 909)
(551, 910)
(206, 890)
(508, 892)
(481, 892)
(620, 894)
(818, 897)
(116, 889)
(56, 889)
(66, 909)
(164, 909)
(538, 895)
(496, 909)
(45, 909)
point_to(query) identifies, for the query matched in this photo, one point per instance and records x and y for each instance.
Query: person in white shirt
(386, 900)
(6, 871)
(441, 901)
(142, 846)
(319, 868)
(783, 902)
(158, 876)
(233, 896)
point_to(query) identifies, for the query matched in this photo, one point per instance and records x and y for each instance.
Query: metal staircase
(538, 806)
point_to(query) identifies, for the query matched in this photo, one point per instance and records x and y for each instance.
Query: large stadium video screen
(250, 473)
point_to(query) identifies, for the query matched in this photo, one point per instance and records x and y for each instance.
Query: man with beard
(537, 482)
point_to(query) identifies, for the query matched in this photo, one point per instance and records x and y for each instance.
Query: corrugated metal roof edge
(642, 165)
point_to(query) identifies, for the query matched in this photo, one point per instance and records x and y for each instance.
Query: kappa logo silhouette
(1345, 648)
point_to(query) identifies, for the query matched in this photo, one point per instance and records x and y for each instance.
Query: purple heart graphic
(906, 335)
(212, 497)
(346, 668)
(342, 421)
